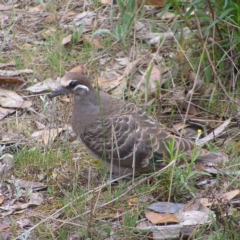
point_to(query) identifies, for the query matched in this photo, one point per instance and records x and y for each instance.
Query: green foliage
(121, 32)
(77, 33)
(179, 180)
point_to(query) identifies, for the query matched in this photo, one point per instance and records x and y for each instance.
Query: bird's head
(74, 83)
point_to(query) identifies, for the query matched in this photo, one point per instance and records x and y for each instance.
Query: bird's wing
(140, 141)
(130, 139)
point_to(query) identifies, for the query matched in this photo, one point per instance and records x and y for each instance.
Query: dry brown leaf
(165, 207)
(49, 32)
(10, 99)
(35, 199)
(133, 201)
(118, 92)
(48, 84)
(49, 135)
(180, 126)
(50, 19)
(5, 7)
(27, 184)
(8, 64)
(196, 83)
(26, 46)
(155, 74)
(157, 3)
(4, 112)
(27, 104)
(232, 194)
(85, 18)
(106, 2)
(228, 196)
(95, 42)
(37, 134)
(68, 16)
(189, 218)
(1, 199)
(24, 222)
(39, 8)
(168, 15)
(110, 84)
(6, 73)
(66, 99)
(80, 68)
(67, 39)
(4, 227)
(161, 217)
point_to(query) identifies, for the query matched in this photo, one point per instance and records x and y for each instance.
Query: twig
(214, 133)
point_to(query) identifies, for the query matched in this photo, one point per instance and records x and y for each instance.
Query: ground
(180, 66)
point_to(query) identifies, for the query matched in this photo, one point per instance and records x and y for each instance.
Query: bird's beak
(57, 92)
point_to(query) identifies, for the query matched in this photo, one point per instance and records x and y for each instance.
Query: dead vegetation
(180, 66)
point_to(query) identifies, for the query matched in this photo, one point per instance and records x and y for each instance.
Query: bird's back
(124, 135)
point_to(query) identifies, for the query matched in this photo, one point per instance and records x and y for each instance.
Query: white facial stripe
(82, 87)
(68, 82)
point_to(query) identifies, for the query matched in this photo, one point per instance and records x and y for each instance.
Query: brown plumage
(121, 133)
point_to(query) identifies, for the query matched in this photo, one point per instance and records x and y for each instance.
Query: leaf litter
(117, 73)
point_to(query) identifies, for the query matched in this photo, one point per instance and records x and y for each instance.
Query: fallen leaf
(67, 39)
(27, 184)
(165, 207)
(35, 199)
(85, 18)
(1, 199)
(10, 99)
(6, 73)
(49, 135)
(40, 126)
(10, 80)
(24, 222)
(26, 46)
(46, 85)
(49, 32)
(80, 68)
(156, 218)
(95, 42)
(157, 3)
(168, 15)
(194, 205)
(113, 83)
(180, 126)
(106, 2)
(37, 134)
(223, 197)
(5, 7)
(162, 232)
(4, 112)
(8, 64)
(195, 83)
(4, 227)
(168, 36)
(194, 218)
(143, 225)
(133, 201)
(39, 8)
(123, 61)
(50, 19)
(68, 16)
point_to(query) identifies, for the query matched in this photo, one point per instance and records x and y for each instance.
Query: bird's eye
(72, 84)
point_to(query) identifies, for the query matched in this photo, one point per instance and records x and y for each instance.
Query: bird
(121, 134)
